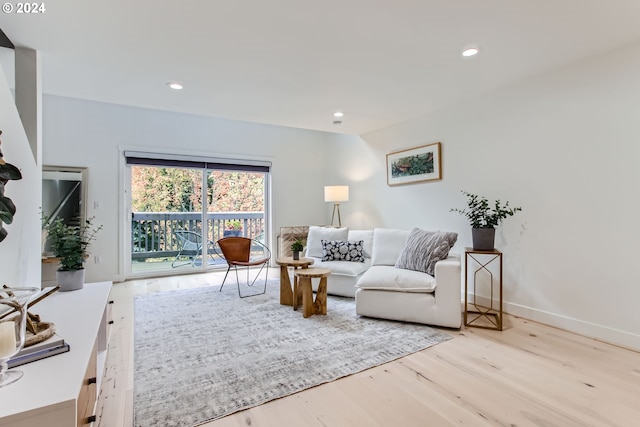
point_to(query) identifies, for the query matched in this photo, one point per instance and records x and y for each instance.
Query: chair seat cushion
(249, 263)
(344, 268)
(389, 278)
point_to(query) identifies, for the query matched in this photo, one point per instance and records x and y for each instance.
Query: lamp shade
(336, 193)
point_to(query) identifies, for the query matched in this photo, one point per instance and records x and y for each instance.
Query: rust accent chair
(245, 253)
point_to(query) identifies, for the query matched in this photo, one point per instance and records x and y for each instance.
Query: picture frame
(416, 164)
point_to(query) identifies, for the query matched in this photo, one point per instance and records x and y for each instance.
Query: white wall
(564, 146)
(20, 251)
(91, 134)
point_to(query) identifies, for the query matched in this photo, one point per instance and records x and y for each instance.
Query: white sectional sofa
(385, 291)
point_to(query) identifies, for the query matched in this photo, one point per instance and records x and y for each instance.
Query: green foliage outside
(157, 189)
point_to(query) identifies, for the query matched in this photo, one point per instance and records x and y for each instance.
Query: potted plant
(70, 243)
(233, 228)
(7, 207)
(484, 218)
(296, 248)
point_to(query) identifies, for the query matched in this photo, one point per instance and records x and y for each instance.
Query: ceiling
(295, 62)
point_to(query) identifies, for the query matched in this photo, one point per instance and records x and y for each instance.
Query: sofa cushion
(387, 245)
(389, 278)
(367, 238)
(343, 268)
(342, 250)
(317, 234)
(424, 249)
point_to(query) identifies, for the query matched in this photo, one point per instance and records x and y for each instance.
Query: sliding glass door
(175, 224)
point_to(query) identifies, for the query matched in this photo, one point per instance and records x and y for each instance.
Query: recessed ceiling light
(338, 114)
(174, 85)
(470, 51)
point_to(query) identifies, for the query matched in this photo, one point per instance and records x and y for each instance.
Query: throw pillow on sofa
(424, 249)
(343, 250)
(317, 234)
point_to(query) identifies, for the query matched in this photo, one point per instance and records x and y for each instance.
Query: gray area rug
(201, 354)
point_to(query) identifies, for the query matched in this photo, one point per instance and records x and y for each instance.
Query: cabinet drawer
(88, 392)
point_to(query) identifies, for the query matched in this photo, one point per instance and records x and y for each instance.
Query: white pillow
(387, 245)
(317, 234)
(367, 237)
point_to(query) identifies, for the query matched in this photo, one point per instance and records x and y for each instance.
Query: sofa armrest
(448, 281)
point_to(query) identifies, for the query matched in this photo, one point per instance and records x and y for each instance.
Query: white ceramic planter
(70, 280)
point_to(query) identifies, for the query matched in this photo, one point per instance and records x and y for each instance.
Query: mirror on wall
(63, 195)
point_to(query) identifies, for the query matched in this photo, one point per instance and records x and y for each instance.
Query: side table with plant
(484, 218)
(70, 243)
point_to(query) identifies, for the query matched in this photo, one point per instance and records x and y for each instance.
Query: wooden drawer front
(88, 392)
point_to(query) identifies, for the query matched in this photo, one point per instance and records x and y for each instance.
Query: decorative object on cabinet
(414, 165)
(13, 328)
(37, 330)
(484, 218)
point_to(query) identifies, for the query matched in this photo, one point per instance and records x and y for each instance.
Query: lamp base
(336, 207)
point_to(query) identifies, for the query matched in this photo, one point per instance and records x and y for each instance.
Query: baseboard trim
(592, 330)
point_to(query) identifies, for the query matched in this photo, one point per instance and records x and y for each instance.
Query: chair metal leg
(225, 277)
(254, 280)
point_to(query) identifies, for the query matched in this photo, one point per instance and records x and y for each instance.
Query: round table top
(313, 272)
(290, 262)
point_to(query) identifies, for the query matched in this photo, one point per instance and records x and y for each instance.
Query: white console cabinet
(61, 391)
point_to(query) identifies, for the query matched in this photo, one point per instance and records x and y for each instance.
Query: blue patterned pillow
(341, 250)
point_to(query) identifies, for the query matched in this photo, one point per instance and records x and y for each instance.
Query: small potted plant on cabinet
(70, 243)
(296, 248)
(484, 218)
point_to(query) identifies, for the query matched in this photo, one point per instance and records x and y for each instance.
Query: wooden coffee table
(309, 306)
(286, 289)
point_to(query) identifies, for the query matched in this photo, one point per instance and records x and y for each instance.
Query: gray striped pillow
(424, 249)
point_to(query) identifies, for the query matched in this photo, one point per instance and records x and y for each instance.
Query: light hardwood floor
(527, 375)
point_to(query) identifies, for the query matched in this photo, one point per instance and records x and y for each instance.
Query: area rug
(201, 354)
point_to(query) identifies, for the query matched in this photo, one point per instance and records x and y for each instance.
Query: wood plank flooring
(527, 375)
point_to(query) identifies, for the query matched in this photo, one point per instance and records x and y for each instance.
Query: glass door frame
(125, 262)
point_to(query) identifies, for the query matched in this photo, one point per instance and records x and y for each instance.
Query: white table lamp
(336, 194)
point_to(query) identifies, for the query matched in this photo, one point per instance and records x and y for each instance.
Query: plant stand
(483, 293)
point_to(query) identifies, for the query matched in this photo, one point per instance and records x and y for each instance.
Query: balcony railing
(152, 232)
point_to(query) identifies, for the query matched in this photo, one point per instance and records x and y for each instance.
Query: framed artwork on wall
(414, 165)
